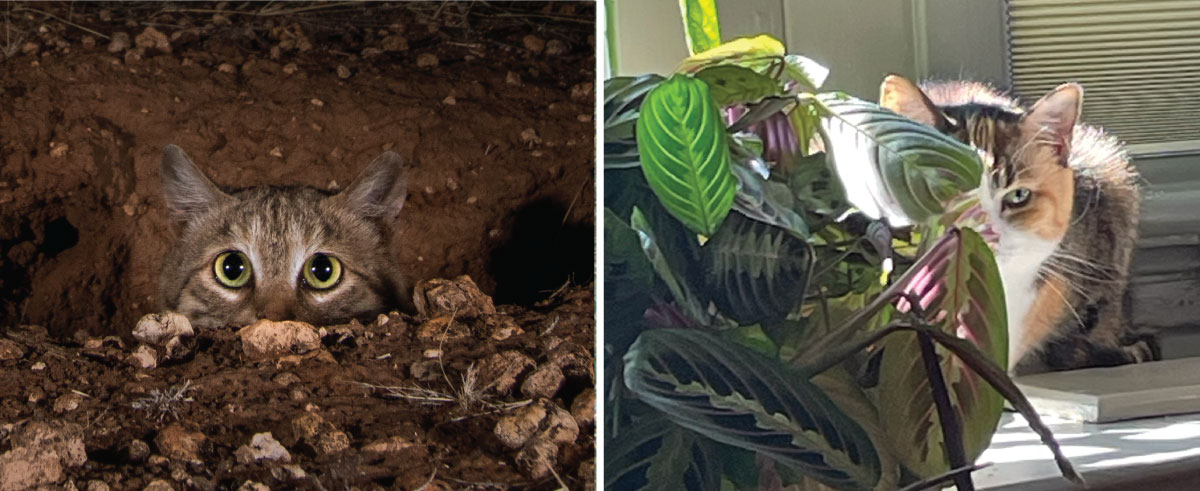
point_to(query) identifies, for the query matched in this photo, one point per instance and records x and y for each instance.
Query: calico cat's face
(280, 253)
(1028, 190)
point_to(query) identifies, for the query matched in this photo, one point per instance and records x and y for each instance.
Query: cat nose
(274, 308)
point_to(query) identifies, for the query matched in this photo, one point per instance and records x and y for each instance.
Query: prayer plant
(756, 336)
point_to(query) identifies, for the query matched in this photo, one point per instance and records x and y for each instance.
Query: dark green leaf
(685, 153)
(893, 167)
(768, 202)
(656, 454)
(680, 288)
(733, 395)
(628, 281)
(757, 271)
(623, 97)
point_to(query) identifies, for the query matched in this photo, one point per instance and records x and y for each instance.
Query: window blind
(1138, 61)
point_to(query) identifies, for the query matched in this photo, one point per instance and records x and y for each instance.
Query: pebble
(159, 485)
(39, 366)
(143, 357)
(529, 136)
(152, 38)
(67, 403)
(262, 446)
(177, 443)
(276, 152)
(270, 339)
(449, 100)
(512, 78)
(425, 60)
(534, 43)
(290, 68)
(343, 72)
(226, 68)
(317, 102)
(158, 329)
(556, 47)
(10, 350)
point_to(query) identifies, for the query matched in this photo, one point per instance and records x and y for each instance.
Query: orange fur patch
(1044, 315)
(1049, 212)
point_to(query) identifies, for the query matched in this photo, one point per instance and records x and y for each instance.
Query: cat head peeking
(1028, 188)
(293, 253)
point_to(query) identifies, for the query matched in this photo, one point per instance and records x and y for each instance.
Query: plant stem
(951, 427)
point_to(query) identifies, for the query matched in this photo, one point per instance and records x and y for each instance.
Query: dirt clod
(177, 443)
(544, 382)
(555, 47)
(343, 72)
(517, 428)
(152, 38)
(534, 43)
(426, 60)
(460, 298)
(262, 446)
(270, 339)
(158, 329)
(40, 455)
(499, 372)
(10, 350)
(143, 357)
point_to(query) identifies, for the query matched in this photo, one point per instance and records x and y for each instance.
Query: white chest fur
(1020, 257)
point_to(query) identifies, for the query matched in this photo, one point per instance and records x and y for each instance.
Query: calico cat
(281, 253)
(1062, 202)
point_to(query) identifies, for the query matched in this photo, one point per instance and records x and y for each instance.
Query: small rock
(157, 461)
(441, 329)
(152, 38)
(143, 357)
(290, 68)
(30, 48)
(425, 60)
(499, 371)
(276, 152)
(534, 43)
(512, 78)
(159, 485)
(134, 55)
(583, 408)
(67, 402)
(137, 451)
(369, 53)
(530, 137)
(308, 425)
(317, 102)
(560, 427)
(253, 486)
(39, 366)
(88, 42)
(157, 329)
(178, 443)
(425, 370)
(432, 353)
(10, 350)
(556, 47)
(517, 428)
(97, 485)
(286, 378)
(460, 298)
(582, 92)
(294, 472)
(59, 150)
(270, 339)
(262, 446)
(390, 445)
(449, 100)
(39, 455)
(343, 72)
(500, 327)
(332, 442)
(226, 68)
(395, 42)
(544, 382)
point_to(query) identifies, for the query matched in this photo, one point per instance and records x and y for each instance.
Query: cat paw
(1142, 351)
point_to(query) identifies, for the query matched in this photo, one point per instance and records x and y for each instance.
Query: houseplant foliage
(756, 333)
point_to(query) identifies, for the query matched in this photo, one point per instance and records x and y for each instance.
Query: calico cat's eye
(232, 269)
(1017, 198)
(322, 271)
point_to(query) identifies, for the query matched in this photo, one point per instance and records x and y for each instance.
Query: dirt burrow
(491, 104)
(466, 395)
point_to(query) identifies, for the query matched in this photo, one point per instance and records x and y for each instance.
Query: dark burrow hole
(60, 236)
(542, 255)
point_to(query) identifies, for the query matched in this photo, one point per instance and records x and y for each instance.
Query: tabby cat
(281, 253)
(1062, 202)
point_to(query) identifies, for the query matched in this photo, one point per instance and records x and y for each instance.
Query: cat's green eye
(1017, 197)
(322, 271)
(232, 269)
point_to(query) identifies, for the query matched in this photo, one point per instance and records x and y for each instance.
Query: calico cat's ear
(1053, 117)
(187, 191)
(906, 99)
(379, 192)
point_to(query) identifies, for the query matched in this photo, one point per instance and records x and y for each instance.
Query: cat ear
(1054, 117)
(379, 192)
(188, 193)
(906, 99)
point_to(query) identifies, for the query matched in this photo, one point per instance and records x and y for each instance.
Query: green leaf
(768, 202)
(805, 120)
(732, 84)
(678, 285)
(685, 153)
(757, 272)
(752, 52)
(966, 298)
(656, 454)
(628, 281)
(893, 167)
(806, 72)
(733, 395)
(701, 24)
